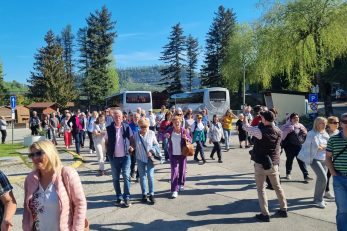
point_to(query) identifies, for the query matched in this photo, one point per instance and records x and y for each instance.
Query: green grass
(10, 149)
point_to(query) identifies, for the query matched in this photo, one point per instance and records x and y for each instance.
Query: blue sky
(143, 27)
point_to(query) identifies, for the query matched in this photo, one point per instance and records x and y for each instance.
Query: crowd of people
(127, 140)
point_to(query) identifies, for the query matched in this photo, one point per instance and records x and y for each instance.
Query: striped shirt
(335, 145)
(5, 187)
(149, 139)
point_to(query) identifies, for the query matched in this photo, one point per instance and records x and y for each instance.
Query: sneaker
(118, 202)
(181, 188)
(144, 199)
(282, 213)
(102, 172)
(328, 195)
(127, 203)
(174, 195)
(307, 178)
(263, 218)
(212, 158)
(196, 159)
(203, 162)
(132, 174)
(90, 151)
(220, 161)
(320, 204)
(152, 199)
(288, 177)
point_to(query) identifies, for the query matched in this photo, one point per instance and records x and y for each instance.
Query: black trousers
(199, 148)
(3, 136)
(328, 177)
(34, 130)
(216, 148)
(292, 153)
(91, 142)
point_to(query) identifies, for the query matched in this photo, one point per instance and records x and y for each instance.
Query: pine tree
(173, 58)
(48, 81)
(192, 59)
(95, 43)
(216, 44)
(66, 42)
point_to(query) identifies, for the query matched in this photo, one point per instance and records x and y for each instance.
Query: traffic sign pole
(13, 100)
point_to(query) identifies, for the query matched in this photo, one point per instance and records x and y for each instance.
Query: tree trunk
(325, 90)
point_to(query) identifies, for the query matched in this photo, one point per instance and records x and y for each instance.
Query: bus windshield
(218, 96)
(138, 98)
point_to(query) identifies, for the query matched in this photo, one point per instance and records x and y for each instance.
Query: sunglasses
(35, 154)
(143, 127)
(334, 122)
(344, 121)
(179, 114)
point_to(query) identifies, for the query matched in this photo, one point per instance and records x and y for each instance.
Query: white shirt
(176, 143)
(151, 118)
(322, 141)
(45, 204)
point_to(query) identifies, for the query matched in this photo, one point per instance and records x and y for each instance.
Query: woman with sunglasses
(332, 129)
(54, 197)
(314, 147)
(198, 133)
(146, 144)
(178, 161)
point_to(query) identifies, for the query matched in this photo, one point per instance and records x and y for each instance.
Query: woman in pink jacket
(54, 198)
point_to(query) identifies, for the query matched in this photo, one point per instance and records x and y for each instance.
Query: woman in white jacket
(99, 132)
(313, 153)
(216, 134)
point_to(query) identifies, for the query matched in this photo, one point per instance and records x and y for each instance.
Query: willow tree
(240, 56)
(301, 39)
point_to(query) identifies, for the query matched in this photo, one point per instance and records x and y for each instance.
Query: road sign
(13, 100)
(313, 98)
(314, 106)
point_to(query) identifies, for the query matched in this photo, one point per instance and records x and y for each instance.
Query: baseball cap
(268, 115)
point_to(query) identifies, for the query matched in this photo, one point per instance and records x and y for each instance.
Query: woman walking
(146, 144)
(293, 136)
(198, 132)
(164, 126)
(242, 134)
(178, 161)
(66, 130)
(227, 125)
(314, 147)
(54, 197)
(216, 134)
(99, 142)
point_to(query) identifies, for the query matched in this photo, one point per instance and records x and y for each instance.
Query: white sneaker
(90, 151)
(321, 204)
(174, 194)
(288, 177)
(94, 152)
(181, 188)
(328, 195)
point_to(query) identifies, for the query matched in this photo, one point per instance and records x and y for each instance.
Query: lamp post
(244, 85)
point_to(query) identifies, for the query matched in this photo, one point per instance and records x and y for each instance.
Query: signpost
(13, 101)
(313, 100)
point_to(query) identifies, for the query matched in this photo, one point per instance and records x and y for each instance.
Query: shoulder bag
(155, 157)
(187, 147)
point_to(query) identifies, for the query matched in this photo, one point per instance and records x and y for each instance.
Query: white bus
(130, 100)
(216, 100)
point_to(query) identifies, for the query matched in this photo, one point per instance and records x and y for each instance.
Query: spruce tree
(173, 56)
(192, 59)
(95, 45)
(216, 44)
(48, 81)
(66, 41)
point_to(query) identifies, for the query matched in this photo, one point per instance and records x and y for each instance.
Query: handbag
(267, 163)
(187, 147)
(156, 156)
(86, 222)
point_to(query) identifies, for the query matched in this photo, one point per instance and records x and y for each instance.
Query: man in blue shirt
(135, 128)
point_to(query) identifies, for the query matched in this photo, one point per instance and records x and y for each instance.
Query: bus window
(138, 98)
(218, 96)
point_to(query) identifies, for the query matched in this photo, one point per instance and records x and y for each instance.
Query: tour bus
(216, 100)
(130, 100)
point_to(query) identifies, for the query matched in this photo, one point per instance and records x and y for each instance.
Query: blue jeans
(166, 148)
(121, 165)
(340, 189)
(227, 133)
(77, 139)
(146, 170)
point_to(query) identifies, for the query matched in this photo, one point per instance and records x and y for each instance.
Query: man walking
(119, 142)
(336, 160)
(266, 155)
(8, 203)
(34, 124)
